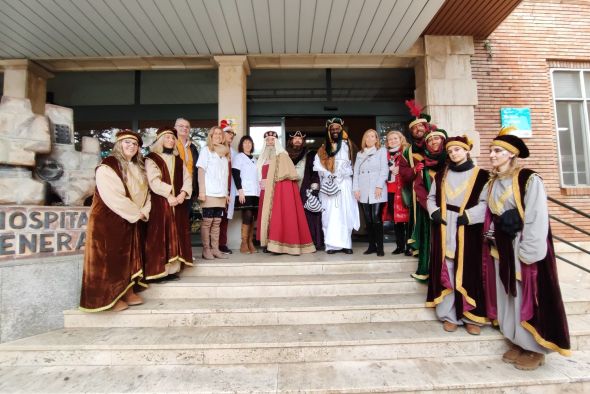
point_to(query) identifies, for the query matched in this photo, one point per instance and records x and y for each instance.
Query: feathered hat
(416, 111)
(511, 143)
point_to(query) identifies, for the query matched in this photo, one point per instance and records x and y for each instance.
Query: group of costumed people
(483, 240)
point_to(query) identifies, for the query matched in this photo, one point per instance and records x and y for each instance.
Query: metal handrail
(575, 210)
(571, 244)
(572, 263)
(569, 225)
(568, 207)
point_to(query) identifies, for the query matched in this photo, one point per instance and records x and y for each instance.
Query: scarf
(327, 153)
(468, 165)
(435, 160)
(221, 150)
(186, 158)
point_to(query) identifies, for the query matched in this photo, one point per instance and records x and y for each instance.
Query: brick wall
(516, 73)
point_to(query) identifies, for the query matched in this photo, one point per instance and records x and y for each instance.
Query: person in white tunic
(523, 293)
(213, 165)
(245, 177)
(228, 137)
(334, 165)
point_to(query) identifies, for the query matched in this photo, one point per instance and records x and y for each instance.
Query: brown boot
(512, 354)
(244, 245)
(529, 361)
(120, 306)
(206, 238)
(132, 299)
(251, 239)
(215, 231)
(472, 329)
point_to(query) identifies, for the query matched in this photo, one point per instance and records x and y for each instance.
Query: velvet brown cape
(112, 256)
(469, 289)
(168, 231)
(542, 312)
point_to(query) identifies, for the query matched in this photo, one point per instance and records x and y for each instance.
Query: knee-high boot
(378, 234)
(215, 230)
(251, 239)
(244, 245)
(206, 238)
(369, 226)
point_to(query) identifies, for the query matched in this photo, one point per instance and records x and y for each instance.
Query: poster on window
(519, 118)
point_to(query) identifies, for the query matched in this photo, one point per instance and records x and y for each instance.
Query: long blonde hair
(404, 143)
(158, 146)
(364, 142)
(210, 139)
(117, 153)
(513, 166)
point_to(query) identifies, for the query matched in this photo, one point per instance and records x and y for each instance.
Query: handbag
(329, 186)
(312, 204)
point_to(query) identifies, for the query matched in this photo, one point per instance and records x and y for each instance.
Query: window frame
(585, 100)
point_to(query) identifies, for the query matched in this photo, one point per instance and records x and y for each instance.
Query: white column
(233, 71)
(445, 85)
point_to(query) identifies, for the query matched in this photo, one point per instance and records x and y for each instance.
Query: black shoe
(408, 253)
(372, 249)
(347, 251)
(265, 250)
(225, 250)
(398, 250)
(380, 253)
(171, 278)
(331, 251)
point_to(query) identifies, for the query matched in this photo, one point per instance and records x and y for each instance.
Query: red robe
(282, 225)
(399, 213)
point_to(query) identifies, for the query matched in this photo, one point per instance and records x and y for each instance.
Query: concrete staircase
(263, 323)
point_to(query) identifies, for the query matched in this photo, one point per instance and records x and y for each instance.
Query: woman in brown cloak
(168, 242)
(112, 259)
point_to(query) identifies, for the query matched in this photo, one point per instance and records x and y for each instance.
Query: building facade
(539, 58)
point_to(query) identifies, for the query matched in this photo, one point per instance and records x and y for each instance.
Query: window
(571, 91)
(257, 134)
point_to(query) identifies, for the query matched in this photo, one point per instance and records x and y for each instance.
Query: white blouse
(216, 173)
(248, 174)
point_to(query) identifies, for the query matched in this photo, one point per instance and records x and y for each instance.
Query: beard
(295, 152)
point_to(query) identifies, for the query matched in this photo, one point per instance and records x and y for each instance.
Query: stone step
(260, 311)
(285, 286)
(450, 374)
(261, 344)
(275, 311)
(259, 265)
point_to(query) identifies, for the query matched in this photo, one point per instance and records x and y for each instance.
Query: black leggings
(373, 213)
(248, 215)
